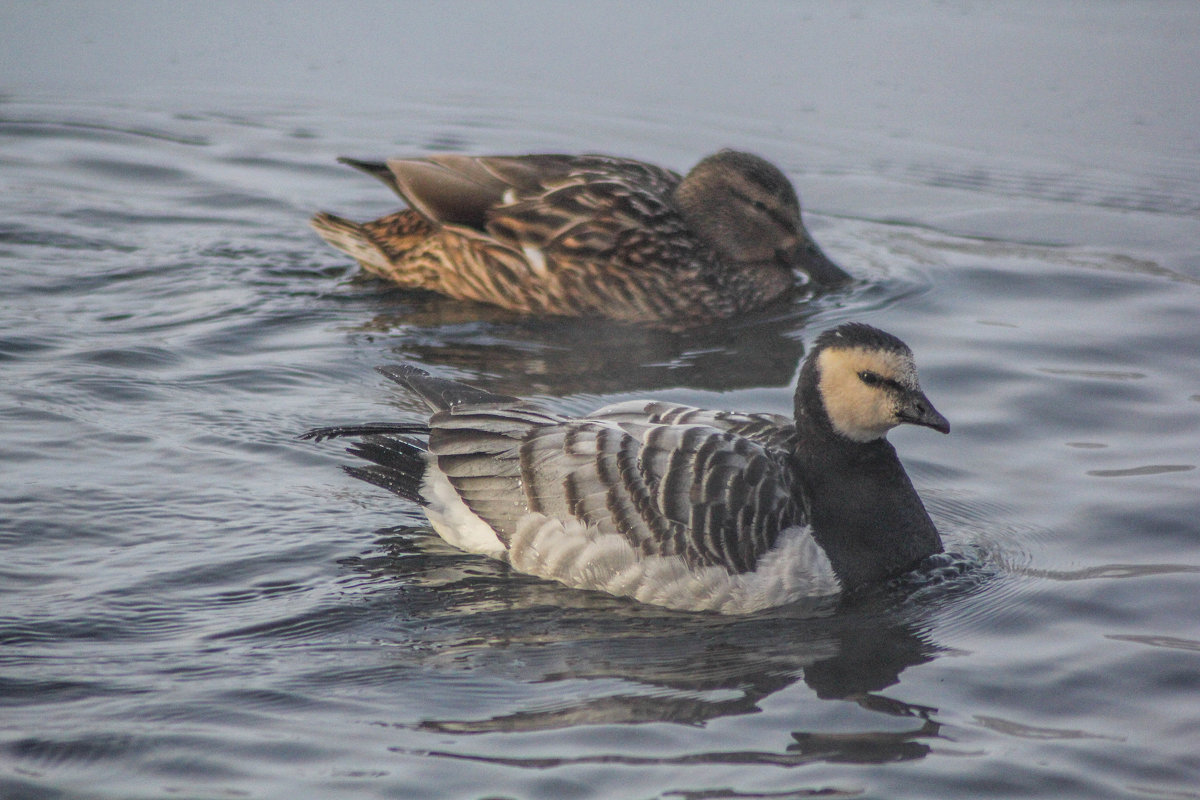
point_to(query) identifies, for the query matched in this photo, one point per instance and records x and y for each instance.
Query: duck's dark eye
(869, 378)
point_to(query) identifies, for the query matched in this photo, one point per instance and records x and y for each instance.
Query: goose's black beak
(916, 409)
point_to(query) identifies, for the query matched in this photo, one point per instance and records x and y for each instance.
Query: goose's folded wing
(707, 495)
(773, 431)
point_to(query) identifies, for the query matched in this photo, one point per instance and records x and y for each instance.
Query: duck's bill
(820, 268)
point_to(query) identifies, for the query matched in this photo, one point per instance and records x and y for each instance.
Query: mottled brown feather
(589, 235)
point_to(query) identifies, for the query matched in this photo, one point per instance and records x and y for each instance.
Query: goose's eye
(870, 378)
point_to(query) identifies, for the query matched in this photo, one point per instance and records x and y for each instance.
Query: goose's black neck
(864, 511)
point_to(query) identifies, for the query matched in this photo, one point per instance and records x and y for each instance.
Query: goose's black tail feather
(442, 394)
(367, 429)
(398, 459)
(399, 464)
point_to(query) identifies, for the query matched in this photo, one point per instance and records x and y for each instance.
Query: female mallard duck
(674, 505)
(589, 235)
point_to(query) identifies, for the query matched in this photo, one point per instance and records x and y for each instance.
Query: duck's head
(748, 211)
(864, 381)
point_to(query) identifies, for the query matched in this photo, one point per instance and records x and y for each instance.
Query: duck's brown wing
(462, 190)
(465, 190)
(595, 210)
(557, 234)
(570, 208)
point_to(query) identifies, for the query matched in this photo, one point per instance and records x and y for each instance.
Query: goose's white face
(867, 392)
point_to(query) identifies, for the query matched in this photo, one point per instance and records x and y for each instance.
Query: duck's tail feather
(395, 247)
(349, 237)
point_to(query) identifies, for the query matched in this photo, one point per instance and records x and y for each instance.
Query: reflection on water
(696, 674)
(507, 353)
(618, 662)
(554, 357)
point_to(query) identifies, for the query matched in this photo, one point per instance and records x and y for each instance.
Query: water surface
(195, 604)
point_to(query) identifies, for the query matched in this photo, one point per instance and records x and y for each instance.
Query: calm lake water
(194, 604)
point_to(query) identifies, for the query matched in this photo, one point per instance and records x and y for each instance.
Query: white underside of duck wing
(583, 558)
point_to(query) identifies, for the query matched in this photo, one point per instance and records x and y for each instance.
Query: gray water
(194, 604)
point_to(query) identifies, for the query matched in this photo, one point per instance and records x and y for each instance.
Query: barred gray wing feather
(709, 496)
(729, 495)
(773, 431)
(479, 450)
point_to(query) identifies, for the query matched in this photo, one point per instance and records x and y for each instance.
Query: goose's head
(865, 381)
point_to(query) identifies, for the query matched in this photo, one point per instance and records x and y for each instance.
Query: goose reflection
(622, 663)
(677, 679)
